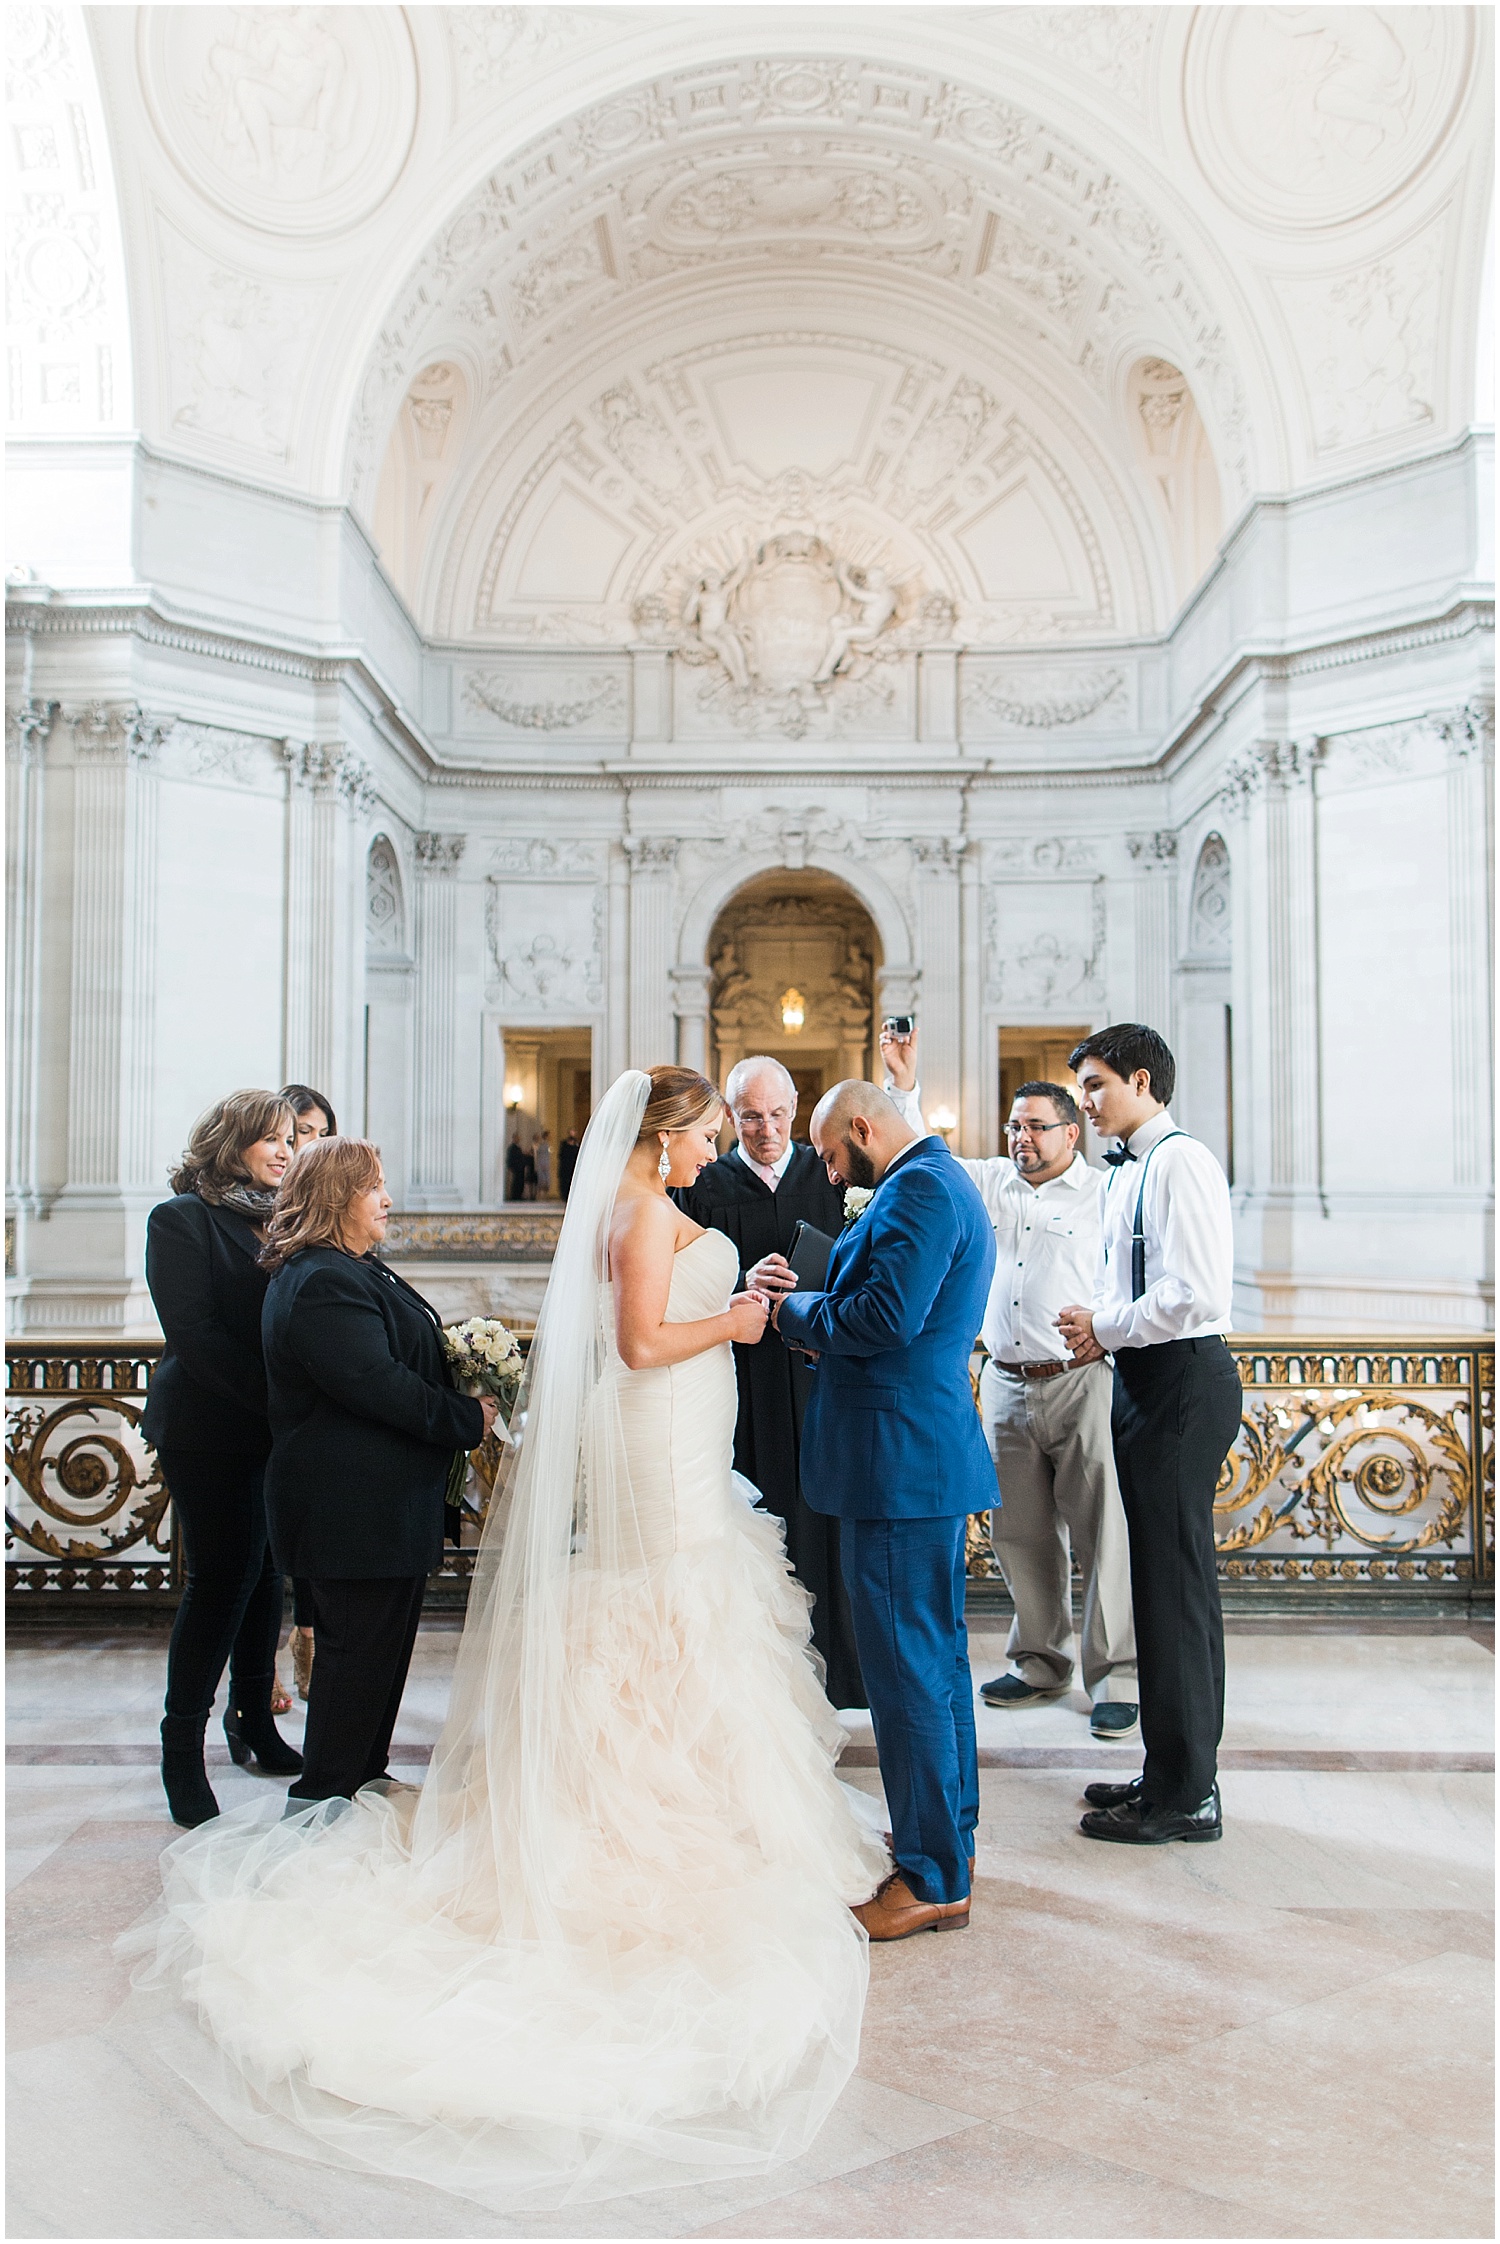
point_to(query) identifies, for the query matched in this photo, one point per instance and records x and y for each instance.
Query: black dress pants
(364, 1632)
(1175, 1416)
(231, 1606)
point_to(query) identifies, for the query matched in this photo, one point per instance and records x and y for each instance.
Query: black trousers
(231, 1607)
(302, 1605)
(1175, 1415)
(364, 1631)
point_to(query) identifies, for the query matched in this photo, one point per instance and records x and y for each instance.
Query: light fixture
(514, 1095)
(793, 1011)
(944, 1121)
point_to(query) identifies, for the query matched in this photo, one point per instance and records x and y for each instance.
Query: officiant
(756, 1196)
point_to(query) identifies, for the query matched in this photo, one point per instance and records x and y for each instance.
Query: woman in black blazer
(364, 1420)
(312, 1118)
(205, 1417)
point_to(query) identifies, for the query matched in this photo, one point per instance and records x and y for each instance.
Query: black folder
(809, 1256)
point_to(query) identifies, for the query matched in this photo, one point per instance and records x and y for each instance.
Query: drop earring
(664, 1165)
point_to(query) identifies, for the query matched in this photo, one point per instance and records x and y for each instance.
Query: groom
(892, 1446)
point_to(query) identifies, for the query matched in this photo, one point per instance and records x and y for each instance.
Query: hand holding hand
(491, 1409)
(1076, 1325)
(900, 1056)
(747, 1318)
(772, 1275)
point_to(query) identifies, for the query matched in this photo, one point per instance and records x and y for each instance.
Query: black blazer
(365, 1420)
(209, 1390)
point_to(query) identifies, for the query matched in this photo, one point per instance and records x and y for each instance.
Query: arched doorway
(793, 959)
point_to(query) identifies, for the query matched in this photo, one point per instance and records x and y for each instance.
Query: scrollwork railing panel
(86, 1505)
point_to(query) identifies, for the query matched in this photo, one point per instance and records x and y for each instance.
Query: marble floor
(1287, 2034)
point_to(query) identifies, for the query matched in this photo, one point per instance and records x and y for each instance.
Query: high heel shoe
(249, 1730)
(300, 1645)
(183, 1776)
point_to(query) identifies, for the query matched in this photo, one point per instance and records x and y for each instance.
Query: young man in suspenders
(1161, 1306)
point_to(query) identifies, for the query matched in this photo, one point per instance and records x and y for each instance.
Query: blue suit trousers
(905, 1579)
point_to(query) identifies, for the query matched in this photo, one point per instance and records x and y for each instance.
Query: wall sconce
(793, 1011)
(944, 1121)
(514, 1097)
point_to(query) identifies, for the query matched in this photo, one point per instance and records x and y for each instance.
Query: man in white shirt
(1161, 1303)
(1046, 1411)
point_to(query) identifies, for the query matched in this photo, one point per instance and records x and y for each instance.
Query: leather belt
(1032, 1371)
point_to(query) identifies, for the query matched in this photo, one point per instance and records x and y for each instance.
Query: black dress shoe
(1112, 1795)
(1134, 1824)
(1013, 1690)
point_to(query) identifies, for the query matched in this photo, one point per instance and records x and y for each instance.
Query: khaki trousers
(1055, 1464)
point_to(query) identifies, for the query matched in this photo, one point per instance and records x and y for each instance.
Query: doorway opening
(548, 1100)
(794, 956)
(1038, 1055)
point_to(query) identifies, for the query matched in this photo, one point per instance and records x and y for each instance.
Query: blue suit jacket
(891, 1431)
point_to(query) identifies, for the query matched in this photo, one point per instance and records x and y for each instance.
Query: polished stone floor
(1287, 2034)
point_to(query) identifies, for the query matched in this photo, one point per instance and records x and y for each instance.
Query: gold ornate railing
(520, 1234)
(1358, 1469)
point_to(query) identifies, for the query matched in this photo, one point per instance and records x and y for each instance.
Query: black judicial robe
(775, 1384)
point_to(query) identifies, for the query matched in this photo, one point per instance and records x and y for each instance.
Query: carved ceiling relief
(780, 165)
(898, 465)
(423, 453)
(1173, 448)
(68, 341)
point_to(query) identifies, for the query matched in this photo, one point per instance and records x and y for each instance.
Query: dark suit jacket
(891, 1431)
(209, 1390)
(365, 1418)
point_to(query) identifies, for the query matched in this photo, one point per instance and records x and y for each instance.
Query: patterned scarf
(253, 1200)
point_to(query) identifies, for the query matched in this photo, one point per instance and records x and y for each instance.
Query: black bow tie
(1118, 1159)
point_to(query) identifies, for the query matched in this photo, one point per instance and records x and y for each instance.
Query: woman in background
(313, 1119)
(206, 1419)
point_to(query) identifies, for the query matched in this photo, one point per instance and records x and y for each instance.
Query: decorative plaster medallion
(1307, 116)
(296, 120)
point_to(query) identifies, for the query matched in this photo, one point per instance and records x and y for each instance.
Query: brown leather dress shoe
(895, 1913)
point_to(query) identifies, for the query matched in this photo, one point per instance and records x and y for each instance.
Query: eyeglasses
(1033, 1129)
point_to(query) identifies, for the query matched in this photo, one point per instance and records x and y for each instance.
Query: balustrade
(1360, 1468)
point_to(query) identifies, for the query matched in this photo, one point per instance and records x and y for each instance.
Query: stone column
(652, 1028)
(87, 1267)
(1279, 1086)
(28, 730)
(614, 1059)
(1154, 856)
(690, 1004)
(971, 1138)
(1469, 738)
(327, 789)
(434, 1182)
(937, 896)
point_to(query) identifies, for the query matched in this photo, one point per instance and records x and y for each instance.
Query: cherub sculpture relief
(873, 597)
(706, 610)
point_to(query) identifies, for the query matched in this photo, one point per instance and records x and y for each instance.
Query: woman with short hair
(365, 1420)
(205, 1417)
(313, 1118)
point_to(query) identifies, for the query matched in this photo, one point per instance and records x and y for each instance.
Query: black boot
(250, 1730)
(184, 1779)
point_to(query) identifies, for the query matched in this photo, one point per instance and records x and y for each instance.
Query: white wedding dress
(609, 1946)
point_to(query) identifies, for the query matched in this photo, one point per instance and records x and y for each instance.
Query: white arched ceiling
(340, 222)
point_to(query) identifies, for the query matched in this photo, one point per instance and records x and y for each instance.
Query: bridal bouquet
(856, 1200)
(485, 1359)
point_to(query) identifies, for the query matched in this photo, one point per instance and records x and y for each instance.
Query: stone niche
(805, 936)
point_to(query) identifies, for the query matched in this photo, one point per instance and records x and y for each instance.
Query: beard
(860, 1168)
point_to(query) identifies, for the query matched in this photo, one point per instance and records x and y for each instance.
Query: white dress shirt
(1189, 1244)
(774, 1171)
(1047, 1240)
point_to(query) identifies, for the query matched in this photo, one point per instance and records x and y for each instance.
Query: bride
(608, 1945)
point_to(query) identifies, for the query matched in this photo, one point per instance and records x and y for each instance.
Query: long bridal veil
(607, 1947)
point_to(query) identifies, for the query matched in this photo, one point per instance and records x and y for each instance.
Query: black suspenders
(1138, 1235)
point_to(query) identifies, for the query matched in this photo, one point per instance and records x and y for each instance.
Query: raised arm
(642, 1246)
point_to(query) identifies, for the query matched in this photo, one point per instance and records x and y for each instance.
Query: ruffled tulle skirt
(688, 2006)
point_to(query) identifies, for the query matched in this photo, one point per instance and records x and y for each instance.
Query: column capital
(31, 722)
(690, 988)
(1280, 766)
(651, 853)
(1155, 852)
(438, 853)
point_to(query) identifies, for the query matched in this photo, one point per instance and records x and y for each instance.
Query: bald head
(857, 1133)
